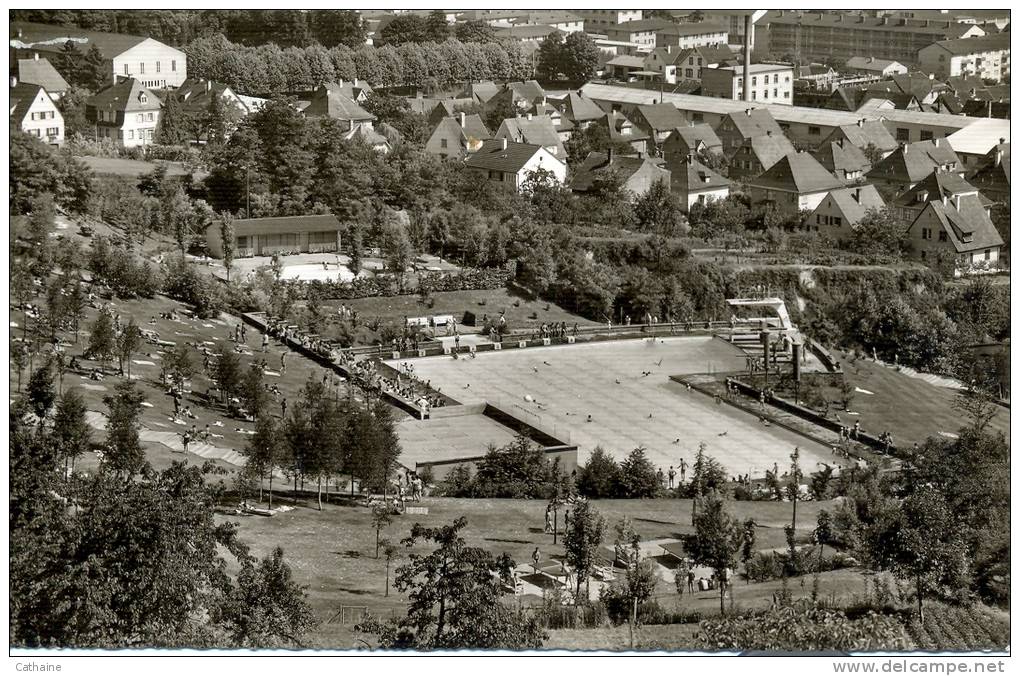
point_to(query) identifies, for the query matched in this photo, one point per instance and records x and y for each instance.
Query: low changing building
(278, 235)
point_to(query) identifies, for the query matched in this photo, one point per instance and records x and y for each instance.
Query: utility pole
(247, 190)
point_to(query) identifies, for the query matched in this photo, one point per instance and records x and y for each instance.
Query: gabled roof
(769, 148)
(689, 175)
(854, 201)
(528, 90)
(797, 172)
(493, 156)
(331, 103)
(899, 100)
(625, 166)
(913, 162)
(838, 157)
(870, 63)
(659, 116)
(538, 130)
(753, 122)
(22, 96)
(41, 72)
(472, 129)
(979, 137)
(481, 91)
(933, 188)
(579, 108)
(917, 84)
(526, 31)
(962, 84)
(994, 170)
(965, 46)
(966, 222)
(691, 137)
(350, 89)
(615, 122)
(49, 38)
(124, 96)
(368, 136)
(865, 133)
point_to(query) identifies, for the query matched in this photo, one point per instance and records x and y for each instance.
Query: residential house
(579, 110)
(154, 64)
(992, 175)
(843, 160)
(440, 110)
(695, 183)
(795, 183)
(195, 96)
(842, 209)
(356, 90)
(693, 139)
(677, 64)
(278, 235)
(544, 108)
(622, 130)
(636, 173)
(501, 161)
(902, 169)
(865, 134)
(328, 101)
(536, 33)
(758, 154)
(457, 135)
(987, 57)
(535, 130)
(641, 32)
(568, 22)
(973, 143)
(126, 113)
(34, 112)
(41, 72)
(625, 66)
(960, 227)
(696, 34)
(869, 65)
(480, 92)
(737, 127)
(770, 83)
(657, 120)
(519, 96)
(935, 187)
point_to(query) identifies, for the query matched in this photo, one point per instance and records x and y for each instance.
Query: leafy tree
(929, 549)
(227, 373)
(72, 434)
(550, 57)
(793, 483)
(879, 232)
(406, 28)
(749, 537)
(178, 366)
(41, 394)
(637, 476)
(102, 339)
(123, 454)
(658, 210)
(593, 138)
(437, 30)
(474, 31)
(332, 27)
(397, 250)
(42, 219)
(380, 519)
(600, 476)
(263, 452)
(128, 342)
(227, 237)
(454, 600)
(390, 553)
(253, 391)
(707, 475)
(716, 540)
(579, 57)
(517, 470)
(582, 542)
(94, 69)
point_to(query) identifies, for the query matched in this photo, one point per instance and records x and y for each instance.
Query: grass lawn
(129, 168)
(910, 408)
(332, 552)
(520, 312)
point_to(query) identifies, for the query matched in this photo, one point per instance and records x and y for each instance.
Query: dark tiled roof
(686, 139)
(660, 116)
(285, 224)
(700, 28)
(838, 157)
(966, 222)
(41, 72)
(854, 202)
(754, 122)
(994, 173)
(538, 130)
(580, 108)
(330, 103)
(937, 185)
(124, 96)
(624, 166)
(22, 96)
(769, 148)
(493, 156)
(798, 172)
(864, 133)
(915, 161)
(691, 176)
(986, 43)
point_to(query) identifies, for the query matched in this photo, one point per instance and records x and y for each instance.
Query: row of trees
(114, 537)
(269, 69)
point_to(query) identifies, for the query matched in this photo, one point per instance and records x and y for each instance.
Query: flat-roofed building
(317, 233)
(688, 35)
(986, 57)
(599, 20)
(770, 83)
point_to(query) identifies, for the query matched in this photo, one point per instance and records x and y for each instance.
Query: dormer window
(142, 98)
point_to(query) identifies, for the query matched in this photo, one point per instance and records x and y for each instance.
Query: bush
(182, 282)
(764, 566)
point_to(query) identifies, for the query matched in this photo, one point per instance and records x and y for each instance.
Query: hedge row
(469, 279)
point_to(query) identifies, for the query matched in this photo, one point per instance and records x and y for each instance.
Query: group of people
(554, 330)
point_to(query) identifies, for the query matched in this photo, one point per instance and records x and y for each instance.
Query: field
(129, 168)
(332, 552)
(624, 386)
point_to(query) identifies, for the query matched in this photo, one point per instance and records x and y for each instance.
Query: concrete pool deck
(625, 387)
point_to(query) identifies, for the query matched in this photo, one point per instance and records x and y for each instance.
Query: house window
(925, 233)
(126, 69)
(814, 131)
(766, 93)
(942, 236)
(157, 66)
(786, 95)
(926, 135)
(690, 72)
(988, 254)
(141, 68)
(924, 254)
(442, 143)
(775, 93)
(697, 117)
(754, 95)
(131, 134)
(173, 65)
(837, 221)
(150, 117)
(766, 79)
(141, 117)
(902, 134)
(142, 98)
(754, 80)
(53, 131)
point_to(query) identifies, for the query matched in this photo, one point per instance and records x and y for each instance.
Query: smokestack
(748, 27)
(503, 143)
(860, 123)
(936, 141)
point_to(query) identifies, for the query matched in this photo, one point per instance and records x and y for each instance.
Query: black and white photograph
(545, 331)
